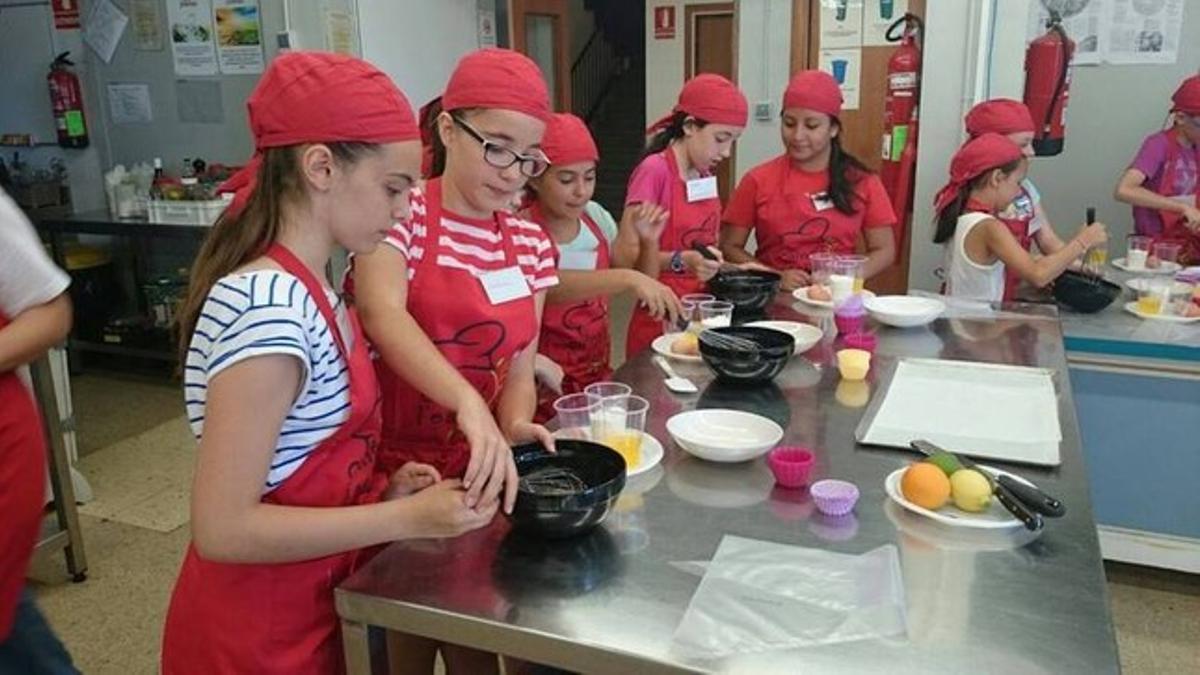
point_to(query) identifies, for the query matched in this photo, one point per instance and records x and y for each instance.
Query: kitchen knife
(1021, 511)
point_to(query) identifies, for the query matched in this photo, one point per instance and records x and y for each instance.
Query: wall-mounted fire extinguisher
(1047, 84)
(66, 100)
(900, 114)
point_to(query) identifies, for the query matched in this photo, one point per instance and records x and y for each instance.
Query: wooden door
(862, 129)
(710, 47)
(540, 30)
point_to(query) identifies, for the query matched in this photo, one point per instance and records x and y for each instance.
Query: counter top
(100, 222)
(610, 602)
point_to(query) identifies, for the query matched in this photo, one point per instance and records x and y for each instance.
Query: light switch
(762, 111)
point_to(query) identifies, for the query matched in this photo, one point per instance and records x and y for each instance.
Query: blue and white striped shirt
(271, 312)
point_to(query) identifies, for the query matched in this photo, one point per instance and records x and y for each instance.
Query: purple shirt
(1151, 160)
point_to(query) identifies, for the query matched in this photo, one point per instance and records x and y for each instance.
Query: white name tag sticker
(584, 261)
(821, 201)
(505, 285)
(702, 188)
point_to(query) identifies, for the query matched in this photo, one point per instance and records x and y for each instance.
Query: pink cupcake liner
(849, 323)
(864, 341)
(834, 497)
(791, 465)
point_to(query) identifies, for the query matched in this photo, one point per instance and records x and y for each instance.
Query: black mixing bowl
(569, 512)
(772, 351)
(749, 290)
(1083, 292)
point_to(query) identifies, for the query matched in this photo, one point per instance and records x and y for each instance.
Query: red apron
(789, 227)
(1017, 217)
(1174, 224)
(690, 223)
(478, 338)
(575, 334)
(22, 481)
(280, 618)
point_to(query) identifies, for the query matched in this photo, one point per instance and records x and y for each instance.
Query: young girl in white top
(985, 176)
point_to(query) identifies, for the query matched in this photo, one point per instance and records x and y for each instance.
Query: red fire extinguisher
(66, 100)
(1047, 84)
(900, 115)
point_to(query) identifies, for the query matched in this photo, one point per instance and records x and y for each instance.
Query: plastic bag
(758, 596)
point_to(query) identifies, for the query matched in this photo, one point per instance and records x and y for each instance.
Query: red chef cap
(814, 90)
(568, 141)
(498, 78)
(312, 97)
(1186, 98)
(711, 98)
(975, 157)
(999, 116)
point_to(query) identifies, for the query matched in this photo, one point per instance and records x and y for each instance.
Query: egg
(819, 293)
(686, 345)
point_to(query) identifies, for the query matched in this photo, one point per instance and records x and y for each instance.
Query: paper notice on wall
(846, 67)
(341, 26)
(485, 27)
(192, 44)
(841, 23)
(146, 16)
(1144, 31)
(239, 36)
(104, 27)
(129, 103)
(878, 16)
(1088, 29)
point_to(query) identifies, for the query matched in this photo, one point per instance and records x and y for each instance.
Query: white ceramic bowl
(720, 435)
(806, 335)
(904, 311)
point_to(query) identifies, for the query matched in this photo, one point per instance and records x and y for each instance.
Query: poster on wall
(878, 16)
(146, 17)
(846, 67)
(1087, 29)
(1144, 31)
(341, 26)
(239, 36)
(129, 103)
(192, 44)
(841, 23)
(664, 22)
(486, 28)
(104, 27)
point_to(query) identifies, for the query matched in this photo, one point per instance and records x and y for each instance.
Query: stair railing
(593, 73)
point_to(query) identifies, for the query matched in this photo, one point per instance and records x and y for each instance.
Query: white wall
(764, 30)
(417, 42)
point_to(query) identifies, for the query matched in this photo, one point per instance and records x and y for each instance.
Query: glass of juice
(578, 416)
(1153, 296)
(608, 389)
(624, 419)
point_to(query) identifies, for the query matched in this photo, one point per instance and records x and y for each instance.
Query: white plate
(806, 335)
(1163, 268)
(662, 345)
(1131, 307)
(801, 294)
(904, 311)
(721, 435)
(995, 517)
(652, 453)
(1139, 284)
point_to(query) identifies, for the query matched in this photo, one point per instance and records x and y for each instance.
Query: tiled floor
(112, 623)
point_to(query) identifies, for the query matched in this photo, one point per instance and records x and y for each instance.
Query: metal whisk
(552, 481)
(730, 342)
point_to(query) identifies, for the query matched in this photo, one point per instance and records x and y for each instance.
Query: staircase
(619, 127)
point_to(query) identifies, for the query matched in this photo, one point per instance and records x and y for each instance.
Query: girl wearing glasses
(1162, 184)
(575, 328)
(676, 174)
(815, 197)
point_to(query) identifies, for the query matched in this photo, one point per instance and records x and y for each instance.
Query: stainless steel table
(610, 603)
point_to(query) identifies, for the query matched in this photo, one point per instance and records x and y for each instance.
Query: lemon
(970, 490)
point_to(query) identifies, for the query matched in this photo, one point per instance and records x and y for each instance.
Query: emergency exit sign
(664, 22)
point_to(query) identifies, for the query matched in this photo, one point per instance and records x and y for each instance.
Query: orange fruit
(925, 485)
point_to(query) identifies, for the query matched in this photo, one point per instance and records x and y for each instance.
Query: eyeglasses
(501, 157)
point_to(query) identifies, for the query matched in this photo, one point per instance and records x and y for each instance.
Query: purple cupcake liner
(834, 497)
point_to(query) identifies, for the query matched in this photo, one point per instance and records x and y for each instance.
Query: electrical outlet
(762, 111)
(286, 39)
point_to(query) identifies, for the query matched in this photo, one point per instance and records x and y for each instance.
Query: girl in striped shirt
(288, 494)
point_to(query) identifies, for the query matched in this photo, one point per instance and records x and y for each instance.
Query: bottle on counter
(188, 171)
(157, 184)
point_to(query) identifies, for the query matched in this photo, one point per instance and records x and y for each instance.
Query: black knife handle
(1033, 497)
(703, 250)
(1032, 521)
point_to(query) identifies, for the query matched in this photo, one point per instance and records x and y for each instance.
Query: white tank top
(966, 278)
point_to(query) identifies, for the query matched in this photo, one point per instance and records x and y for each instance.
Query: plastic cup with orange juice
(1154, 296)
(625, 418)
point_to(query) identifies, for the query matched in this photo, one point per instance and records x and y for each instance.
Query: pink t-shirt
(651, 182)
(1151, 160)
